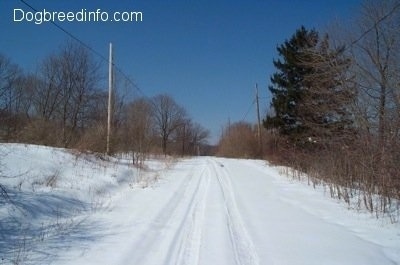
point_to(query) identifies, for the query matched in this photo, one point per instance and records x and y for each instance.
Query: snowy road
(220, 211)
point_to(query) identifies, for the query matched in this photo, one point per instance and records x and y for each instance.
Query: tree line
(335, 109)
(64, 104)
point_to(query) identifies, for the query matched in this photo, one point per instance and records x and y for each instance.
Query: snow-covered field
(64, 208)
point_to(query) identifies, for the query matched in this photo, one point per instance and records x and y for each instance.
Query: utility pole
(110, 88)
(229, 126)
(258, 119)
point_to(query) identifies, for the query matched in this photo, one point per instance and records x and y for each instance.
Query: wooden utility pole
(258, 118)
(110, 88)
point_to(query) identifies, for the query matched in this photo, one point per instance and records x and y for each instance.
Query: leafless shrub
(93, 139)
(357, 159)
(351, 173)
(239, 140)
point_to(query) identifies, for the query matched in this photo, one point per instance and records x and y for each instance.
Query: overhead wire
(375, 24)
(116, 67)
(249, 109)
(125, 76)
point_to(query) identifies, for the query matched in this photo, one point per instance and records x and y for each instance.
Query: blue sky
(206, 54)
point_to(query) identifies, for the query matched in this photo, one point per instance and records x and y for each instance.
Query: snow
(202, 210)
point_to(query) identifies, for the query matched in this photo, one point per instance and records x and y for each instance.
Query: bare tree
(199, 136)
(169, 116)
(191, 136)
(10, 95)
(140, 123)
(48, 94)
(68, 83)
(95, 130)
(376, 55)
(80, 73)
(183, 135)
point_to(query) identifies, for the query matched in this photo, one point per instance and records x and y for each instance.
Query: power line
(129, 80)
(118, 69)
(375, 24)
(68, 33)
(248, 111)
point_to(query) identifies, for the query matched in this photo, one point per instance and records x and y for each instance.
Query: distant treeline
(64, 103)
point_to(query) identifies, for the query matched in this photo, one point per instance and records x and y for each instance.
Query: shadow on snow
(36, 228)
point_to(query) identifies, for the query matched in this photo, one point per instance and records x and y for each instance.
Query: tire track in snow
(243, 246)
(185, 247)
(150, 239)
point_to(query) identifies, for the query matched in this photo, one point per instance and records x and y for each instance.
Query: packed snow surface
(67, 208)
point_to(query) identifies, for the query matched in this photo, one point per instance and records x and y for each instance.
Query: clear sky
(206, 54)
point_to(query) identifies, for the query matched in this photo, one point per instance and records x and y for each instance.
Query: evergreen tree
(324, 109)
(311, 92)
(288, 82)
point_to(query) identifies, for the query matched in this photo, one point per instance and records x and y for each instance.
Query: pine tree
(324, 109)
(311, 92)
(288, 82)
